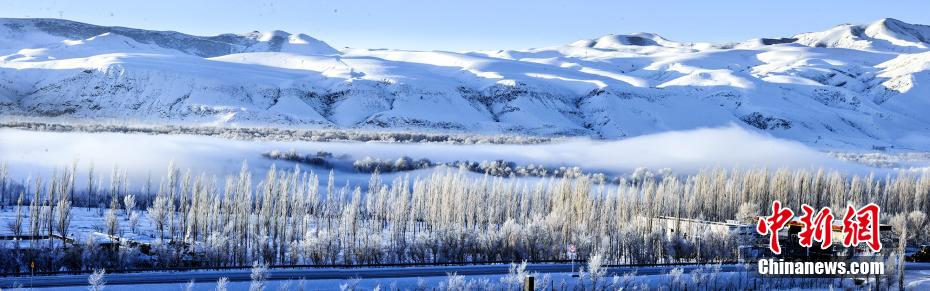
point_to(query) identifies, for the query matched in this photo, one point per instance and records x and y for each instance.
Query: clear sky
(477, 24)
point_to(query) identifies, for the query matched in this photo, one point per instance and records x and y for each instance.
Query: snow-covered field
(85, 222)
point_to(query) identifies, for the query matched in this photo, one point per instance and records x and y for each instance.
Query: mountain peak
(889, 20)
(887, 34)
(896, 31)
(282, 41)
(268, 36)
(613, 42)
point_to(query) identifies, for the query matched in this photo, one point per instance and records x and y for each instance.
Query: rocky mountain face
(852, 86)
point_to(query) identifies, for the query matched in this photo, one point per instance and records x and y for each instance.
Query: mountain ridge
(851, 86)
(202, 46)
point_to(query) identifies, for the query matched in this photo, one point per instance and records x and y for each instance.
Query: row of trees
(496, 168)
(280, 134)
(292, 217)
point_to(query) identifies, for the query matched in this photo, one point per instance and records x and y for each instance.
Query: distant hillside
(851, 86)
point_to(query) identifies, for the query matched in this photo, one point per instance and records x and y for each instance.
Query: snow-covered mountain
(850, 86)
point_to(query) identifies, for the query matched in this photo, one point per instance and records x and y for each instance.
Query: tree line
(291, 216)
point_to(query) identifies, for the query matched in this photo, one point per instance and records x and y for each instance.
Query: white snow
(849, 87)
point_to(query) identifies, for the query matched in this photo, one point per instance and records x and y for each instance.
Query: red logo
(772, 224)
(859, 225)
(819, 228)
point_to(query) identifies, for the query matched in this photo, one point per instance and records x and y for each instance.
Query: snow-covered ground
(849, 87)
(85, 222)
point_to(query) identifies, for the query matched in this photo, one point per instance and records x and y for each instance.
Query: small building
(688, 228)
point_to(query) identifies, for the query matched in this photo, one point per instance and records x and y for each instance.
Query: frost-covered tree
(35, 210)
(5, 196)
(96, 280)
(16, 226)
(221, 284)
(112, 221)
(91, 192)
(596, 270)
(905, 225)
(259, 276)
(747, 213)
(129, 201)
(675, 281)
(133, 220)
(189, 286)
(918, 222)
(64, 217)
(455, 282)
(515, 276)
(158, 213)
(350, 284)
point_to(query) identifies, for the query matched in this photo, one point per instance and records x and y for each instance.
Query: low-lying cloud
(38, 153)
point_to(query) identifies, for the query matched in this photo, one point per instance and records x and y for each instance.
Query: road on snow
(158, 277)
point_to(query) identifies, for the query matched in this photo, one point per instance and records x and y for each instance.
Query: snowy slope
(886, 34)
(851, 86)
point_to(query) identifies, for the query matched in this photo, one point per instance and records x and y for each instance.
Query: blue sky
(477, 24)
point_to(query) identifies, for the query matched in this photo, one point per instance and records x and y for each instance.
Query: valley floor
(141, 161)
